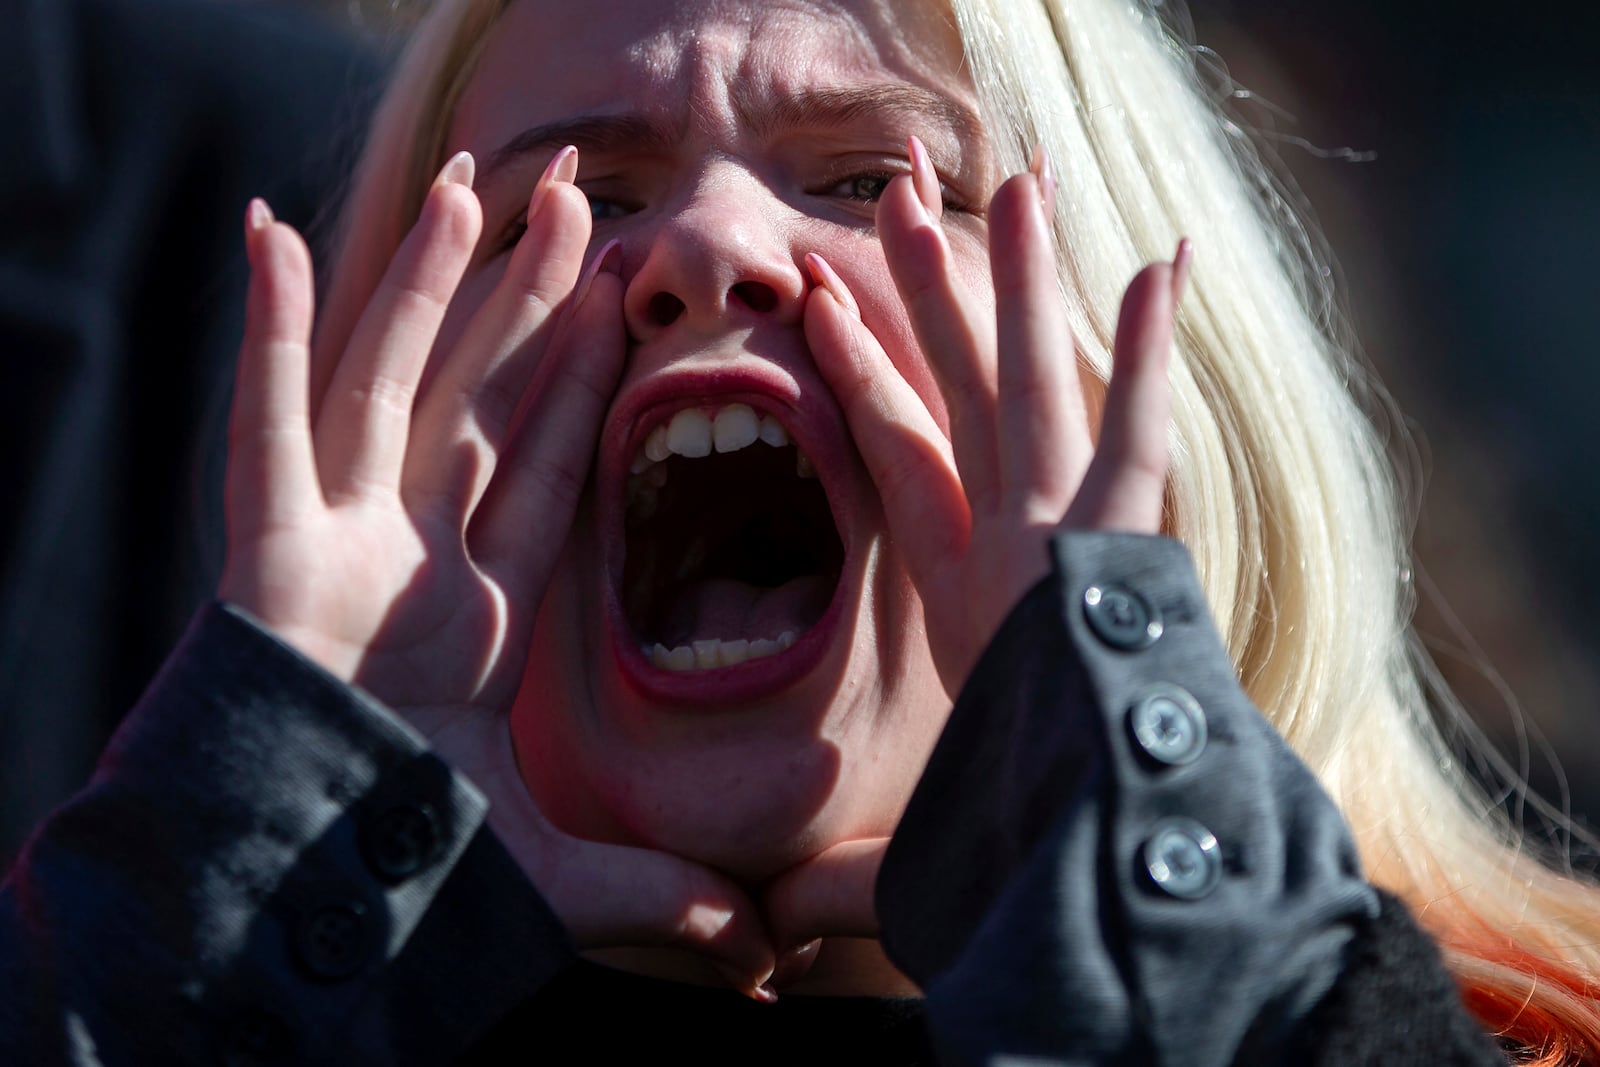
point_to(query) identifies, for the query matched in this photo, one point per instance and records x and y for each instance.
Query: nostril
(665, 309)
(757, 296)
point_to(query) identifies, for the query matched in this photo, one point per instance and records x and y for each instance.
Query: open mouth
(731, 552)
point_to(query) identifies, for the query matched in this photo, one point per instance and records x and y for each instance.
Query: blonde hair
(1280, 485)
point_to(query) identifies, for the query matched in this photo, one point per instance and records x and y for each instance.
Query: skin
(431, 528)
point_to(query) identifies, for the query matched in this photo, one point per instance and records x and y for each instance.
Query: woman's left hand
(972, 511)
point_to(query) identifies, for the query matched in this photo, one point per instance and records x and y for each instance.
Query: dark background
(1448, 151)
(1467, 244)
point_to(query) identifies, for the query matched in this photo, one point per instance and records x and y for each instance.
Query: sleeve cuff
(300, 870)
(1129, 859)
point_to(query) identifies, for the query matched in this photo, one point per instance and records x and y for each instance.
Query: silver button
(1168, 724)
(1120, 617)
(1183, 858)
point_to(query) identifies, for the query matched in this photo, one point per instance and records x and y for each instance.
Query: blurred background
(1449, 153)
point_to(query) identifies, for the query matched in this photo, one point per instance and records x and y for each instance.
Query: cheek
(885, 315)
(470, 296)
(864, 271)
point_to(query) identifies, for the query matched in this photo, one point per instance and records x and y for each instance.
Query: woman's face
(729, 663)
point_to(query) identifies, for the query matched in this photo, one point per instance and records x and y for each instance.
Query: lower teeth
(711, 654)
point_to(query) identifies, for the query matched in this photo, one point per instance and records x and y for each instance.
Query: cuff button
(1121, 618)
(1168, 724)
(1183, 859)
(333, 940)
(400, 841)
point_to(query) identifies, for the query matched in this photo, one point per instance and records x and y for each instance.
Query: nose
(718, 258)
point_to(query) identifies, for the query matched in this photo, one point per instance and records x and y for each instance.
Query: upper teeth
(697, 432)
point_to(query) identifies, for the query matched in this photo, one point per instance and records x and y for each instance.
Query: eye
(867, 187)
(602, 209)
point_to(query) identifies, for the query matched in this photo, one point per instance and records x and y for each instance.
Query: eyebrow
(831, 108)
(808, 109)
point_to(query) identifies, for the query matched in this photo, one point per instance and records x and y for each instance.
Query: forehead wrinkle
(832, 108)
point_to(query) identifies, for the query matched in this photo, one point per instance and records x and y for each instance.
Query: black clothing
(1082, 877)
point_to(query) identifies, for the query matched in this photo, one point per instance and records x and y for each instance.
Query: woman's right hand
(403, 541)
(402, 537)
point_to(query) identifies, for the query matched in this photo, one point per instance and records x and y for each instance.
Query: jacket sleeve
(267, 866)
(1114, 859)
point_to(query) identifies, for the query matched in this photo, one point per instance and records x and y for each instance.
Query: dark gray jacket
(1112, 858)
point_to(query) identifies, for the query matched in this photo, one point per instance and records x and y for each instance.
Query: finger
(1181, 265)
(906, 454)
(364, 421)
(540, 481)
(1043, 432)
(465, 414)
(271, 473)
(794, 964)
(955, 334)
(1125, 487)
(629, 897)
(829, 895)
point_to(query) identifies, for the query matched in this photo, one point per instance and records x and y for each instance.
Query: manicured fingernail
(793, 964)
(1180, 269)
(257, 216)
(924, 178)
(563, 167)
(609, 260)
(762, 991)
(1044, 172)
(459, 170)
(823, 274)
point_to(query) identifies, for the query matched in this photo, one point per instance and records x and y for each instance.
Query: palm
(392, 602)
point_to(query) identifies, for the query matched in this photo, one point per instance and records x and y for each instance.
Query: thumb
(829, 895)
(614, 896)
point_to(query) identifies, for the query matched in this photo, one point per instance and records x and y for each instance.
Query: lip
(817, 427)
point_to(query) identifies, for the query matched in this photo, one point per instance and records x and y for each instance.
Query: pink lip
(816, 425)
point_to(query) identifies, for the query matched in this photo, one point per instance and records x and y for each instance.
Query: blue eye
(603, 210)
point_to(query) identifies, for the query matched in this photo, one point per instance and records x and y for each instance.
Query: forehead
(549, 58)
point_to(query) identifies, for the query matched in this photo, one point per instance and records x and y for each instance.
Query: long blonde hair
(1281, 487)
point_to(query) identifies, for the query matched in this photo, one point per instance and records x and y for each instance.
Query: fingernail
(823, 274)
(563, 167)
(257, 216)
(924, 179)
(609, 260)
(793, 964)
(1044, 172)
(740, 981)
(459, 170)
(1180, 269)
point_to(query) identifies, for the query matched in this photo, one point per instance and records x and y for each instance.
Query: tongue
(728, 610)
